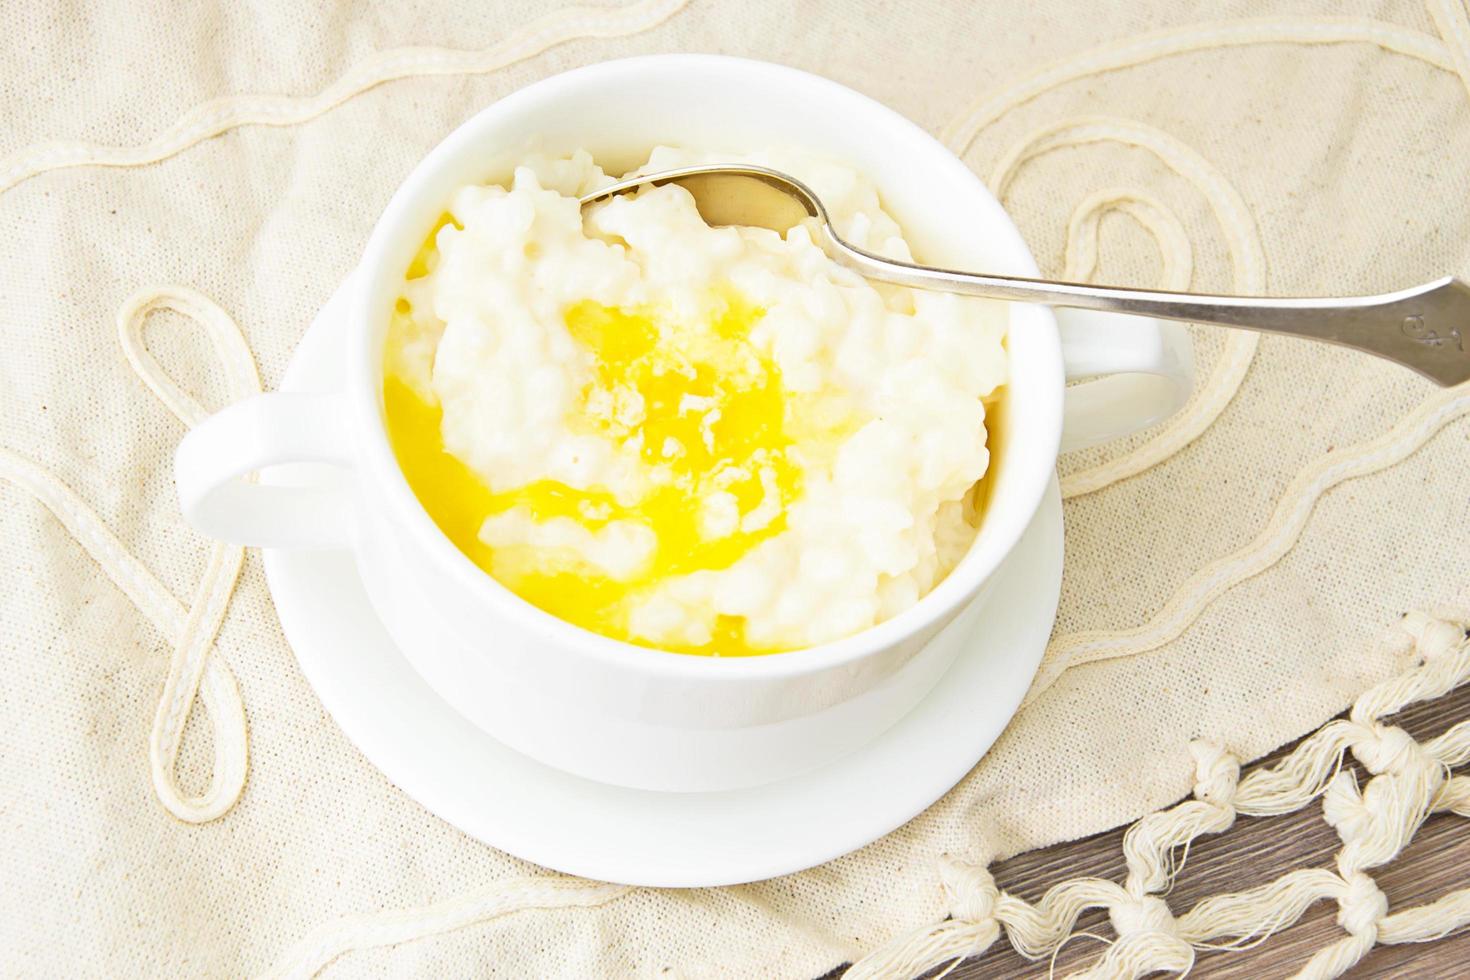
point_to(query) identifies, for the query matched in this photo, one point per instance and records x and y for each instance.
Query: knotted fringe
(1409, 781)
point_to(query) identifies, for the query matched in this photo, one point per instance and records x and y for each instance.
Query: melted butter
(428, 254)
(704, 411)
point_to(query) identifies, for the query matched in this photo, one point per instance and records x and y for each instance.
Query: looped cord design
(1085, 229)
(1453, 23)
(191, 661)
(1144, 48)
(191, 631)
(1294, 508)
(1234, 361)
(1273, 543)
(231, 112)
(1409, 780)
(1150, 937)
(333, 939)
(1247, 255)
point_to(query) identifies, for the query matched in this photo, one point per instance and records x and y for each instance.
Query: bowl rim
(961, 584)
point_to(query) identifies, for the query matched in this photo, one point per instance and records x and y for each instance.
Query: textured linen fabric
(1349, 161)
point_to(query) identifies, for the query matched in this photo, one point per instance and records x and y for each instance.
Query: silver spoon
(1423, 327)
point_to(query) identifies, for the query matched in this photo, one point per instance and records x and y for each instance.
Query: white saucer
(635, 836)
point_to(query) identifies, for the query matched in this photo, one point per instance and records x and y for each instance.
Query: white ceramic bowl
(582, 702)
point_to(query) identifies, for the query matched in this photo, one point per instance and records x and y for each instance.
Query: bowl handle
(213, 463)
(1138, 372)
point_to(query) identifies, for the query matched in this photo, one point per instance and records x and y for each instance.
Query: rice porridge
(706, 440)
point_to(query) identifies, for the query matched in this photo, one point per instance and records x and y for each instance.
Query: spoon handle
(1423, 328)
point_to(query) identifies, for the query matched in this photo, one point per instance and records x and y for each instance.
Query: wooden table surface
(1252, 852)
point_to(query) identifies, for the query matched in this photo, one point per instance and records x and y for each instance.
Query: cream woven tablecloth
(1228, 578)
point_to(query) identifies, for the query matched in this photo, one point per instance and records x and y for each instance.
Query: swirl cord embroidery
(1151, 938)
(1409, 781)
(230, 112)
(1085, 227)
(192, 671)
(1143, 48)
(192, 630)
(1272, 544)
(1374, 824)
(1248, 258)
(206, 614)
(1296, 504)
(1154, 940)
(339, 936)
(1453, 24)
(1231, 368)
